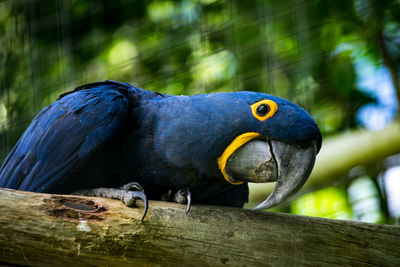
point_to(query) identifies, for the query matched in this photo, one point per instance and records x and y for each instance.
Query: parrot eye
(264, 109)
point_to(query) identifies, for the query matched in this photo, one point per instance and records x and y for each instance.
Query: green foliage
(330, 202)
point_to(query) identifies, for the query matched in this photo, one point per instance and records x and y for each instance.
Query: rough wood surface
(54, 230)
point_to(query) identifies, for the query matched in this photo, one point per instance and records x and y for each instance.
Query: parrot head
(242, 137)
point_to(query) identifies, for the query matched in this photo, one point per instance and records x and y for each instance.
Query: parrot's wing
(63, 135)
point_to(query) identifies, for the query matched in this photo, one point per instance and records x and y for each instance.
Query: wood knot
(224, 260)
(75, 208)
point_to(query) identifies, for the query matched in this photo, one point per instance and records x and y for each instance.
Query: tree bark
(55, 230)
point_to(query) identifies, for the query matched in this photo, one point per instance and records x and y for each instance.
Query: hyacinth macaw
(209, 146)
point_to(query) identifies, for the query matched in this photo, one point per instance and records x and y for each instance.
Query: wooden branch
(355, 148)
(55, 230)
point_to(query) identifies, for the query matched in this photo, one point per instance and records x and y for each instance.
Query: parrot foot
(127, 193)
(182, 196)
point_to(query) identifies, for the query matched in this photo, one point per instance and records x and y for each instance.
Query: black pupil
(262, 110)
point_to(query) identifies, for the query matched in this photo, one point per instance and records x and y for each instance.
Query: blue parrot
(208, 146)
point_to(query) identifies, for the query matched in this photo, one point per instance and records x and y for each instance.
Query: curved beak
(260, 161)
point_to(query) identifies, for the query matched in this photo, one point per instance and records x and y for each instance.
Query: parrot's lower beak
(260, 161)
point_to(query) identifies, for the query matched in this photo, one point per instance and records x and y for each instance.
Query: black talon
(137, 192)
(189, 200)
(141, 195)
(183, 196)
(132, 185)
(169, 195)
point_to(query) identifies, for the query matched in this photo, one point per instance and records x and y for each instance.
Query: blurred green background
(339, 59)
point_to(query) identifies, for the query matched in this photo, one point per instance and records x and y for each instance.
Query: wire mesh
(285, 48)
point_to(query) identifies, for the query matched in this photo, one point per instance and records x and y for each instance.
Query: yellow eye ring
(264, 109)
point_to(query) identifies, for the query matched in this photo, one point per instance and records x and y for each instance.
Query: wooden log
(55, 230)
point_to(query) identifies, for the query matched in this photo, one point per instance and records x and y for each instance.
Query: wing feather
(62, 135)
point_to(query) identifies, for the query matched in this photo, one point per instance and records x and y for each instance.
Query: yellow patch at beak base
(236, 143)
